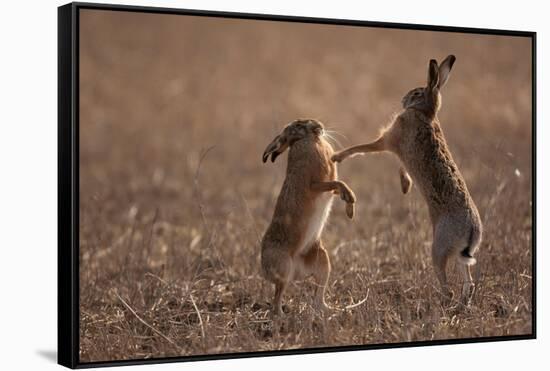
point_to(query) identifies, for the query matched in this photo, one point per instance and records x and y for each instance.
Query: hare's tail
(466, 255)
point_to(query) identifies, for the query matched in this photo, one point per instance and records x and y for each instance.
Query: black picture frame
(68, 180)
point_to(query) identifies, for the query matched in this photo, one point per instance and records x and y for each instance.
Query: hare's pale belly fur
(319, 216)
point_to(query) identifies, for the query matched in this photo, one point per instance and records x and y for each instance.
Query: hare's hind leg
(440, 260)
(280, 287)
(468, 287)
(466, 261)
(440, 256)
(317, 263)
(278, 268)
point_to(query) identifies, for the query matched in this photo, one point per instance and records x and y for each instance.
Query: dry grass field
(175, 113)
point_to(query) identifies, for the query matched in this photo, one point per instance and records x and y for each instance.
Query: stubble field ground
(175, 113)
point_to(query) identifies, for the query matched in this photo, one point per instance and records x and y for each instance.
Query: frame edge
(67, 274)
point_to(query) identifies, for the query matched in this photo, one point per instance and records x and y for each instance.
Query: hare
(415, 136)
(292, 246)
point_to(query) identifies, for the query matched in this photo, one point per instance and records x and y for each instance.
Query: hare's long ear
(433, 75)
(275, 148)
(445, 70)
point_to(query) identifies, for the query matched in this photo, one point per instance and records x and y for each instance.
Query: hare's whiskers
(332, 140)
(337, 133)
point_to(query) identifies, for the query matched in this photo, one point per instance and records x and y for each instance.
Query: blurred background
(175, 112)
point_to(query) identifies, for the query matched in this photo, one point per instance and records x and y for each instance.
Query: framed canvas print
(236, 185)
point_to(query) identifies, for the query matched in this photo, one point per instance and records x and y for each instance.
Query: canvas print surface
(193, 242)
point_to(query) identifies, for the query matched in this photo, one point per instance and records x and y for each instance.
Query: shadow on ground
(50, 355)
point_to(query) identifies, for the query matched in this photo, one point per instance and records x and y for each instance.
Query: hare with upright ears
(415, 136)
(292, 246)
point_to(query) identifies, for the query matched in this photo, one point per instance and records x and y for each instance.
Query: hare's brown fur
(415, 136)
(292, 246)
(419, 141)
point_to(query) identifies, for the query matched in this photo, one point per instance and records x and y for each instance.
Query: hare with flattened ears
(292, 246)
(415, 136)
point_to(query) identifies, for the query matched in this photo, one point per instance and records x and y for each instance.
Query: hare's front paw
(337, 157)
(347, 195)
(406, 181)
(349, 198)
(350, 210)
